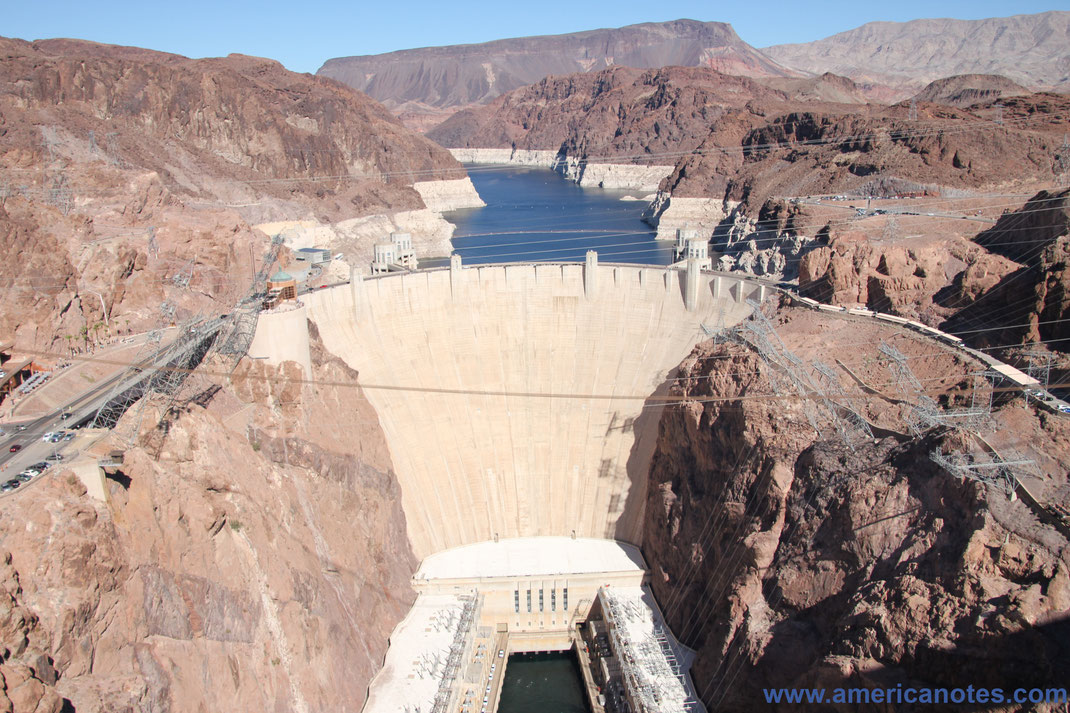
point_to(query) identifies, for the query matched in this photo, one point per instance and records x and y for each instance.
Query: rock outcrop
(926, 281)
(124, 166)
(789, 560)
(252, 556)
(964, 90)
(1032, 303)
(617, 115)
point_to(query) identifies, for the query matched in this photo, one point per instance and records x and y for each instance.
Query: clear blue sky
(302, 35)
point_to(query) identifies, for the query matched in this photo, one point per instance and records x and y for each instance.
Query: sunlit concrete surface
(533, 588)
(532, 556)
(515, 398)
(416, 660)
(656, 666)
(282, 335)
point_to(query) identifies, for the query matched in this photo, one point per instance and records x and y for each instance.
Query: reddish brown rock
(927, 280)
(789, 560)
(104, 148)
(252, 556)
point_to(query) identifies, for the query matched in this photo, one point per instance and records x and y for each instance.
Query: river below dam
(543, 683)
(536, 215)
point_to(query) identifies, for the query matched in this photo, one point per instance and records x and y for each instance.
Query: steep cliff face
(1031, 303)
(253, 556)
(125, 167)
(647, 117)
(788, 559)
(203, 123)
(816, 151)
(921, 280)
(435, 77)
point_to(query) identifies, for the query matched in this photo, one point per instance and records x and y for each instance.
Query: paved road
(27, 434)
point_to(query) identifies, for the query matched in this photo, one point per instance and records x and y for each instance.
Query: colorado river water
(534, 214)
(542, 683)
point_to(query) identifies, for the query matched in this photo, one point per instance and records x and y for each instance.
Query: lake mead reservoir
(536, 215)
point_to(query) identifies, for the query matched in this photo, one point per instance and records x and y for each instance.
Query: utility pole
(1062, 157)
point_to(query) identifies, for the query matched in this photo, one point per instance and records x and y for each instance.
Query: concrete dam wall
(516, 399)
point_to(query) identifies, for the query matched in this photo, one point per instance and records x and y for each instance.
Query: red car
(15, 448)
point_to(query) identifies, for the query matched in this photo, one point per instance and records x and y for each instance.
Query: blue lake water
(543, 683)
(534, 214)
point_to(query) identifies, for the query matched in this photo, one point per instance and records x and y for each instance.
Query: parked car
(25, 476)
(47, 436)
(42, 466)
(69, 437)
(11, 484)
(54, 457)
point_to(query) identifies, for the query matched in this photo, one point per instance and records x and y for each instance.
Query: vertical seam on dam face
(502, 458)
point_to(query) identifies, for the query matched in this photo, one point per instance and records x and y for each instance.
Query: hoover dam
(520, 404)
(520, 400)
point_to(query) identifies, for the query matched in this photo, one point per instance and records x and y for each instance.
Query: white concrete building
(690, 246)
(396, 255)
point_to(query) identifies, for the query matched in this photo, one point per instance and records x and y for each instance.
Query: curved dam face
(517, 399)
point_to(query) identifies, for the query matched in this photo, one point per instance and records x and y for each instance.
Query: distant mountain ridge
(889, 61)
(966, 89)
(1032, 50)
(460, 75)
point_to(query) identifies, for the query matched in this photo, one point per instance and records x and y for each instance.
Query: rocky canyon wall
(788, 559)
(252, 556)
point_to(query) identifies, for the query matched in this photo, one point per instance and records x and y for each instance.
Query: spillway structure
(520, 404)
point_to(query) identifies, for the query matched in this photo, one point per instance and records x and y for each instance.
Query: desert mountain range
(472, 74)
(889, 60)
(1033, 50)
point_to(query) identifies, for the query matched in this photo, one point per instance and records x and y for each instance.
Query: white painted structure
(282, 335)
(654, 664)
(397, 254)
(534, 587)
(523, 400)
(415, 668)
(689, 247)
